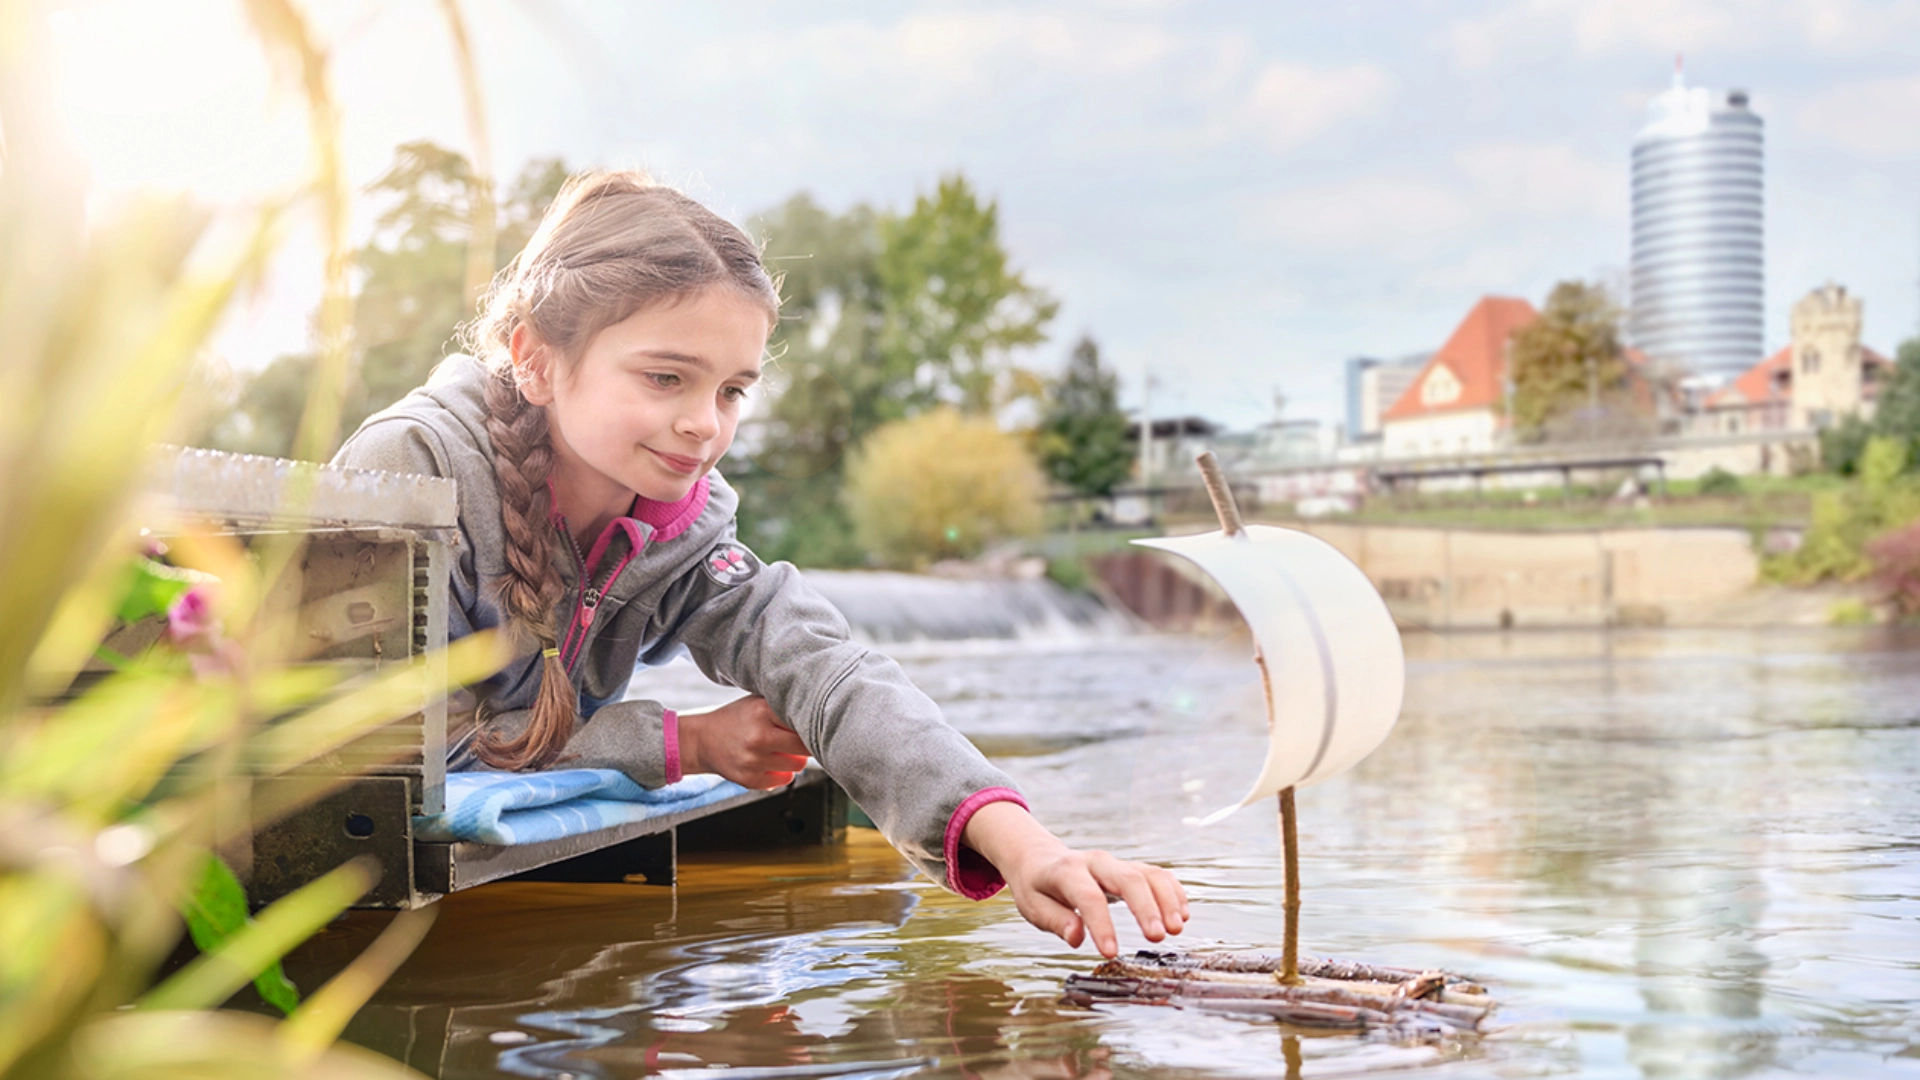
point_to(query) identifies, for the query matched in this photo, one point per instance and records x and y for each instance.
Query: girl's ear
(532, 366)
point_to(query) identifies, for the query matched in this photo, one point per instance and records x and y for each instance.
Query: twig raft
(1332, 994)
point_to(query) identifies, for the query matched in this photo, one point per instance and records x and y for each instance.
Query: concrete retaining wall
(1450, 578)
(1459, 579)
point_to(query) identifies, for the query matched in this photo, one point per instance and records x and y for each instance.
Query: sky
(1234, 196)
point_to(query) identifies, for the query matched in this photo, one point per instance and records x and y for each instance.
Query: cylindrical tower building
(1699, 290)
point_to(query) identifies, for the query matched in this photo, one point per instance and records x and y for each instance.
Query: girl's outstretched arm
(1065, 892)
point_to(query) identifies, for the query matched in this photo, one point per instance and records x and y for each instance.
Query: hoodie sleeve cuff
(670, 728)
(968, 872)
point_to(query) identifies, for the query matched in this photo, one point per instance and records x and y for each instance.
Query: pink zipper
(590, 596)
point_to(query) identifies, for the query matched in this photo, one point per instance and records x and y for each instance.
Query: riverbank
(1444, 578)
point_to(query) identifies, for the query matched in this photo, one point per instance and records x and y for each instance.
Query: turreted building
(1823, 375)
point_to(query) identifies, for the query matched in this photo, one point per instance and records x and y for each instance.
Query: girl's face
(653, 402)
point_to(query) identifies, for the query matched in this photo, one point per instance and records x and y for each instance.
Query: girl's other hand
(743, 741)
(1065, 892)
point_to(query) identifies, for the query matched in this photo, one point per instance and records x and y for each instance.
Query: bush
(1719, 481)
(1895, 557)
(941, 486)
(1850, 613)
(1845, 521)
(1842, 445)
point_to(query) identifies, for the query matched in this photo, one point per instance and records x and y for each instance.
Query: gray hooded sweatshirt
(672, 577)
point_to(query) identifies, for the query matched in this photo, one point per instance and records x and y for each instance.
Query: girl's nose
(698, 422)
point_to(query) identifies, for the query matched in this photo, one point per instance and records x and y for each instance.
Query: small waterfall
(891, 607)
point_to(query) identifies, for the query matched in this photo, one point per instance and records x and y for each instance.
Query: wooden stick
(1223, 505)
(1290, 855)
(1231, 524)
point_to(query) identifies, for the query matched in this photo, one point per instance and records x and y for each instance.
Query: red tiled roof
(1772, 379)
(1476, 354)
(1769, 380)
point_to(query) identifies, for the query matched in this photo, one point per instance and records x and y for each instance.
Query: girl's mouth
(676, 462)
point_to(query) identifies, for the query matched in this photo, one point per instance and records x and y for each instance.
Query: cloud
(1292, 104)
(1521, 28)
(1488, 189)
(1120, 80)
(1547, 180)
(1401, 216)
(1878, 118)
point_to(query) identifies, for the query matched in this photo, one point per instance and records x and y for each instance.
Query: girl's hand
(742, 741)
(1065, 892)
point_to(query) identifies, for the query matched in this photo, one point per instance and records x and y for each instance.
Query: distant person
(609, 365)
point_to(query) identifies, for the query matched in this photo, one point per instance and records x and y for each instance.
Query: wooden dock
(372, 591)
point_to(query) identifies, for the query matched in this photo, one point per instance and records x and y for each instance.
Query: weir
(888, 608)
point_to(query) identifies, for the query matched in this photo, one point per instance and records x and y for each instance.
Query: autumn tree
(941, 485)
(1570, 375)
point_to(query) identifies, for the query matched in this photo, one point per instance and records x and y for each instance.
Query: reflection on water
(1672, 854)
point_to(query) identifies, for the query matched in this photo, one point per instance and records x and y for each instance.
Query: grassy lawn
(1760, 502)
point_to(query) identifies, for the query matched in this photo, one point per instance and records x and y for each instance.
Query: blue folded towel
(527, 808)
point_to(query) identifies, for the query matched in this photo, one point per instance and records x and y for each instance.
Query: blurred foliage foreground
(118, 784)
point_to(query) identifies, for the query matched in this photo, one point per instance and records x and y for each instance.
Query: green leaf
(217, 911)
(151, 589)
(213, 978)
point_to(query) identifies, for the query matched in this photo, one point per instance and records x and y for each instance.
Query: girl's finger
(1055, 918)
(1091, 901)
(1130, 881)
(1171, 896)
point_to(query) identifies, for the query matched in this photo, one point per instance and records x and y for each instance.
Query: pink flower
(194, 629)
(191, 624)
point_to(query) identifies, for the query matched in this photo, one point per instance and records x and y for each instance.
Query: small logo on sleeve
(730, 564)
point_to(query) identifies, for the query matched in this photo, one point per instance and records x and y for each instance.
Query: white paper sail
(1335, 668)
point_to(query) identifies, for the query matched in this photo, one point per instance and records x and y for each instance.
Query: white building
(1457, 403)
(1698, 233)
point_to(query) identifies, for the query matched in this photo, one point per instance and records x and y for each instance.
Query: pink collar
(671, 519)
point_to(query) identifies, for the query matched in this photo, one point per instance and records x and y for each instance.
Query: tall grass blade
(213, 1046)
(325, 1015)
(481, 226)
(388, 697)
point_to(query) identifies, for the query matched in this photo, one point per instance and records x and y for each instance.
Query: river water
(1668, 854)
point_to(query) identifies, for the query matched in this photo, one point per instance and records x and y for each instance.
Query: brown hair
(612, 244)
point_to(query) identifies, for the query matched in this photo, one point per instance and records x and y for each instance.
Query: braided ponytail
(612, 244)
(531, 587)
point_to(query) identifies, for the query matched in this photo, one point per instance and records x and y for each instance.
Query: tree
(1083, 436)
(412, 294)
(883, 318)
(827, 384)
(1570, 377)
(939, 486)
(1897, 415)
(953, 307)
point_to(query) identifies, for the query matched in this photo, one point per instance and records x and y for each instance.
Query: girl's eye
(665, 380)
(734, 393)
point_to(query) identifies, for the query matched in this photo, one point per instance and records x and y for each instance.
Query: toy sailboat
(1330, 655)
(1333, 673)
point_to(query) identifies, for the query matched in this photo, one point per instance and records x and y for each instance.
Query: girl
(609, 365)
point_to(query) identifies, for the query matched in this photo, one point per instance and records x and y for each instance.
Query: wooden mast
(1231, 525)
